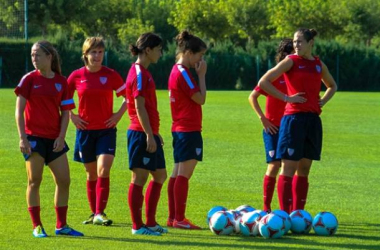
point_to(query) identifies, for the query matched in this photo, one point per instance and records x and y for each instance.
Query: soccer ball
(221, 223)
(325, 223)
(285, 216)
(301, 222)
(245, 209)
(213, 211)
(249, 223)
(237, 216)
(272, 226)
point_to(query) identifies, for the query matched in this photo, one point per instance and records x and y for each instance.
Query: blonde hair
(48, 49)
(89, 44)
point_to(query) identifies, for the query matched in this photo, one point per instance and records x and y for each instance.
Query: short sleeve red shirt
(186, 114)
(95, 92)
(140, 83)
(274, 108)
(304, 76)
(45, 98)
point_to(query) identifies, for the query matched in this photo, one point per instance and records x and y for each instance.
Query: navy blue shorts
(44, 147)
(300, 137)
(187, 146)
(91, 143)
(270, 143)
(139, 157)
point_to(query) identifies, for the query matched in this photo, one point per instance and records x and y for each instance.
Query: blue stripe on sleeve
(139, 77)
(67, 102)
(186, 76)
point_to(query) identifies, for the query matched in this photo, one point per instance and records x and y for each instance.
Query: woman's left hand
(112, 122)
(59, 144)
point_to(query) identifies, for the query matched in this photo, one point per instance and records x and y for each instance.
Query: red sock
(268, 187)
(91, 195)
(181, 188)
(171, 198)
(135, 201)
(35, 215)
(102, 192)
(284, 191)
(152, 195)
(61, 213)
(300, 189)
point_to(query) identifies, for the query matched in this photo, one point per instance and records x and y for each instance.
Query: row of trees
(241, 21)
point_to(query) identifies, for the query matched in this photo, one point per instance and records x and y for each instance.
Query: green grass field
(346, 181)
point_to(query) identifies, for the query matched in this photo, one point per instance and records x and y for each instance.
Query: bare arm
(330, 84)
(200, 97)
(20, 121)
(144, 121)
(253, 100)
(59, 142)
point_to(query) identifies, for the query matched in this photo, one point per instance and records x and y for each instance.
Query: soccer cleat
(39, 232)
(101, 219)
(159, 229)
(90, 219)
(68, 231)
(169, 223)
(185, 224)
(145, 231)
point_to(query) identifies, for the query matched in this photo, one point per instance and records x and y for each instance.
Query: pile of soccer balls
(248, 221)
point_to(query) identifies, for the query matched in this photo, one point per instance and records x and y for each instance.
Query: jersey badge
(103, 79)
(33, 144)
(271, 153)
(58, 86)
(146, 160)
(290, 151)
(318, 68)
(198, 151)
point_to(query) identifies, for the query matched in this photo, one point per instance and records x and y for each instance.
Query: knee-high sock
(152, 196)
(300, 189)
(268, 188)
(181, 189)
(284, 191)
(102, 193)
(61, 213)
(35, 215)
(171, 201)
(91, 195)
(135, 201)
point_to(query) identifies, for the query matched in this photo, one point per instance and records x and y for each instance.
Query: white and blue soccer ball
(222, 223)
(301, 222)
(237, 216)
(249, 224)
(212, 211)
(325, 223)
(245, 209)
(285, 216)
(272, 226)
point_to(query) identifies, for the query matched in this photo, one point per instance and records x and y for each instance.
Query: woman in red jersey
(274, 110)
(186, 98)
(95, 144)
(42, 94)
(146, 155)
(300, 138)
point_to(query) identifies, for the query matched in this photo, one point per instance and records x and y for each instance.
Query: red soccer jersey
(304, 76)
(95, 92)
(140, 83)
(274, 108)
(186, 114)
(46, 97)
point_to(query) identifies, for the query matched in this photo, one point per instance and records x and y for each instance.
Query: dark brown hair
(308, 34)
(146, 40)
(187, 42)
(284, 48)
(48, 49)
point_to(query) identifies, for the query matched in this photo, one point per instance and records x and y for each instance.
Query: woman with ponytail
(145, 145)
(186, 98)
(300, 136)
(43, 96)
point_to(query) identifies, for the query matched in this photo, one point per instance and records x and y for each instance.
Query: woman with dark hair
(145, 145)
(274, 110)
(300, 136)
(186, 98)
(43, 95)
(95, 144)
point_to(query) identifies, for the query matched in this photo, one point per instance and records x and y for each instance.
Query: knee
(273, 169)
(63, 183)
(161, 178)
(303, 171)
(139, 180)
(34, 183)
(103, 172)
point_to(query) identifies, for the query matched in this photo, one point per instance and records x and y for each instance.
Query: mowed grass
(346, 181)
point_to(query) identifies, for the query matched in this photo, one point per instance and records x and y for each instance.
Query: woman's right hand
(296, 98)
(25, 147)
(151, 145)
(201, 68)
(78, 122)
(269, 128)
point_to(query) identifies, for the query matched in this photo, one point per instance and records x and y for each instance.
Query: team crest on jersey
(58, 86)
(198, 151)
(271, 153)
(33, 144)
(146, 160)
(318, 68)
(103, 79)
(290, 151)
